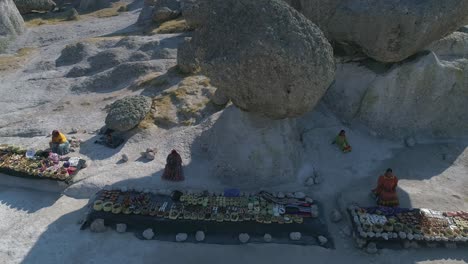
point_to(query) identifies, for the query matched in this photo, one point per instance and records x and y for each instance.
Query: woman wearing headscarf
(173, 170)
(386, 190)
(59, 143)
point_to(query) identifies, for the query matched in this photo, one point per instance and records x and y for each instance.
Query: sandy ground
(39, 222)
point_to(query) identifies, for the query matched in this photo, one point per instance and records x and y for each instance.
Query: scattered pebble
(322, 240)
(97, 226)
(410, 142)
(181, 237)
(148, 234)
(124, 157)
(295, 236)
(149, 155)
(244, 238)
(121, 228)
(200, 236)
(267, 238)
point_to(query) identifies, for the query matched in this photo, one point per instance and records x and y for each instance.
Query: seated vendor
(386, 190)
(342, 142)
(59, 143)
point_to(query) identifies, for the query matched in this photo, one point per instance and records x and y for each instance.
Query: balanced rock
(148, 234)
(27, 6)
(11, 22)
(387, 31)
(97, 226)
(265, 56)
(372, 94)
(128, 112)
(244, 238)
(200, 236)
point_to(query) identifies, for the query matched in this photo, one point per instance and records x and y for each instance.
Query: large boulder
(128, 112)
(27, 6)
(425, 96)
(453, 46)
(388, 31)
(11, 22)
(264, 55)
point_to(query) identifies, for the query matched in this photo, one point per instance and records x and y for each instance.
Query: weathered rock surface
(27, 6)
(186, 61)
(75, 53)
(128, 112)
(425, 96)
(164, 14)
(91, 5)
(265, 56)
(453, 46)
(268, 152)
(11, 22)
(388, 31)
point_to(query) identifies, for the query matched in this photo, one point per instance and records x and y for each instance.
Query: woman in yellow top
(59, 143)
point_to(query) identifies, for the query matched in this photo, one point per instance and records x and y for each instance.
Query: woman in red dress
(173, 170)
(386, 189)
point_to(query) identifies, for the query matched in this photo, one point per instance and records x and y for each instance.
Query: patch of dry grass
(177, 25)
(147, 122)
(110, 11)
(13, 62)
(49, 18)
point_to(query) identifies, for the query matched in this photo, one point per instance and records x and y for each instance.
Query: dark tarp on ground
(224, 233)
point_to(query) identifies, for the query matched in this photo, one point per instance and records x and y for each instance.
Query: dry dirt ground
(39, 222)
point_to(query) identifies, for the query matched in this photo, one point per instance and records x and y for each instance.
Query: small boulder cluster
(159, 11)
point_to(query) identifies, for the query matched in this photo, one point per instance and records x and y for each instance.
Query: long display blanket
(221, 217)
(400, 224)
(15, 161)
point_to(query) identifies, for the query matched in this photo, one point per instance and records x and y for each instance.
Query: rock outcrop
(11, 22)
(388, 31)
(425, 96)
(265, 56)
(159, 11)
(27, 6)
(454, 46)
(128, 112)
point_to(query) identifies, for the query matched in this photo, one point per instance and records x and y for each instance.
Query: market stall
(15, 161)
(402, 224)
(222, 216)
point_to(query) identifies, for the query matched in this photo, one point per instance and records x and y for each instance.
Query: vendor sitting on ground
(386, 190)
(59, 143)
(342, 142)
(173, 170)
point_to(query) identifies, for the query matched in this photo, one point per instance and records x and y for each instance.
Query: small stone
(125, 157)
(295, 236)
(73, 131)
(280, 195)
(267, 238)
(148, 234)
(322, 240)
(299, 195)
(149, 155)
(72, 15)
(310, 181)
(371, 248)
(244, 238)
(97, 226)
(410, 142)
(151, 150)
(200, 236)
(181, 237)
(121, 228)
(336, 216)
